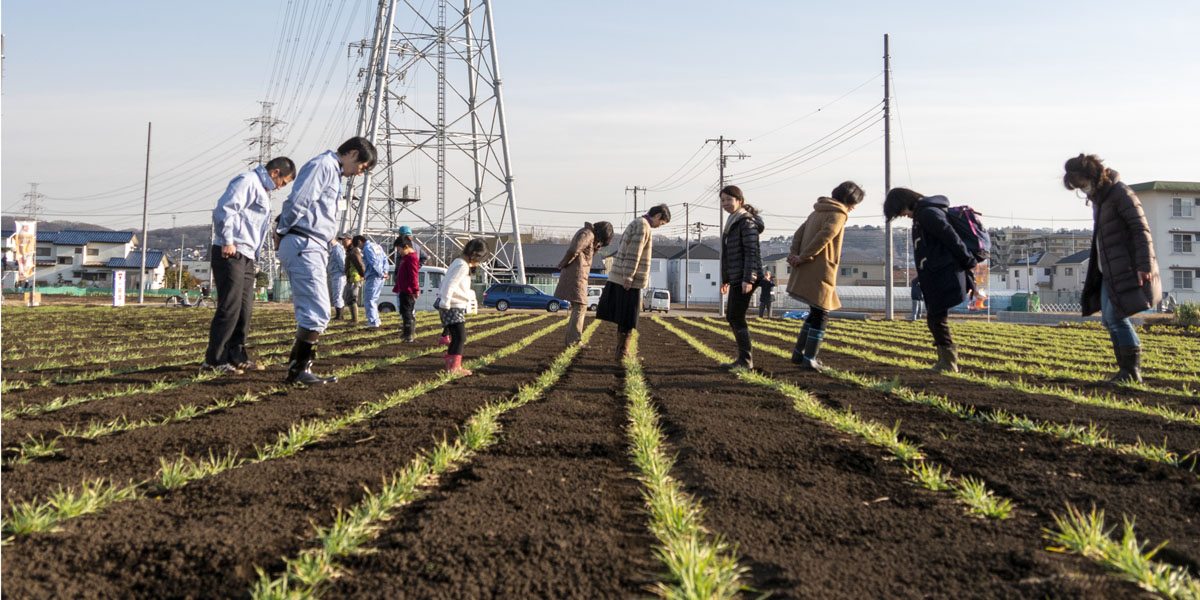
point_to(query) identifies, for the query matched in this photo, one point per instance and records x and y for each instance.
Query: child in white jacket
(454, 299)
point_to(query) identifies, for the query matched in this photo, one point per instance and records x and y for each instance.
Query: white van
(656, 300)
(428, 278)
(593, 297)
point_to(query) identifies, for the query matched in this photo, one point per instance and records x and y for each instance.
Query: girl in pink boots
(455, 298)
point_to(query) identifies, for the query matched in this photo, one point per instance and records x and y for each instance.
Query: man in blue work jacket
(377, 272)
(306, 227)
(241, 221)
(337, 274)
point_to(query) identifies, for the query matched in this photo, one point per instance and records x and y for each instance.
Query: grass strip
(1107, 400)
(970, 491)
(1084, 534)
(701, 565)
(308, 574)
(30, 516)
(162, 385)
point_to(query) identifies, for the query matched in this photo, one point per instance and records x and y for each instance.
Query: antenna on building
(459, 133)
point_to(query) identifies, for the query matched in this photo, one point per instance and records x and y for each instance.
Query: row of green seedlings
(1093, 372)
(96, 495)
(1104, 399)
(34, 449)
(701, 565)
(1085, 535)
(59, 403)
(1017, 359)
(73, 336)
(1090, 435)
(970, 491)
(1163, 351)
(281, 344)
(160, 345)
(309, 573)
(991, 345)
(86, 339)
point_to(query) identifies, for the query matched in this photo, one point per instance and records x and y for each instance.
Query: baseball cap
(404, 230)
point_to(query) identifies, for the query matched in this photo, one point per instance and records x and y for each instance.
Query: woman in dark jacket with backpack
(741, 266)
(1122, 277)
(944, 264)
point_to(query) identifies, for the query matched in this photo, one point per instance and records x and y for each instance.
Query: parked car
(593, 298)
(428, 278)
(656, 300)
(515, 295)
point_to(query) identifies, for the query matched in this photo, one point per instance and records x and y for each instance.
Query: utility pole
(687, 255)
(145, 219)
(32, 197)
(889, 275)
(635, 190)
(179, 279)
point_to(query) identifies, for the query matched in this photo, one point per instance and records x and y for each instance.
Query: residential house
(541, 263)
(1173, 212)
(74, 257)
(702, 284)
(200, 269)
(660, 267)
(779, 268)
(1034, 273)
(156, 269)
(1070, 272)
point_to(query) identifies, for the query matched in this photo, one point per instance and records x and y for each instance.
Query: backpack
(966, 223)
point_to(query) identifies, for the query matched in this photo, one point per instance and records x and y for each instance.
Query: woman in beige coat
(574, 269)
(816, 250)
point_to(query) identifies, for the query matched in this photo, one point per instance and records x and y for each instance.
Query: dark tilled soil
(204, 540)
(1119, 425)
(818, 514)
(135, 455)
(551, 511)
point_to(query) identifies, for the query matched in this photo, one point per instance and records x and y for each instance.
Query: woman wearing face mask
(814, 257)
(1122, 277)
(741, 266)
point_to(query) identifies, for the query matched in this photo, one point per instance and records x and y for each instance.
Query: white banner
(24, 246)
(118, 287)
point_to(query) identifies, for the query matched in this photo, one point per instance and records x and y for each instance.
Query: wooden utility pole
(179, 279)
(889, 272)
(635, 190)
(687, 254)
(145, 219)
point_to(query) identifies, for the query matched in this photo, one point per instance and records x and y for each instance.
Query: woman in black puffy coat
(741, 266)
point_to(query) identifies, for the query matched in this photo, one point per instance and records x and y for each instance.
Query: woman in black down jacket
(741, 266)
(1122, 276)
(944, 264)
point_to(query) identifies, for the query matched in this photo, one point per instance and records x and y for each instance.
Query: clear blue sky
(601, 96)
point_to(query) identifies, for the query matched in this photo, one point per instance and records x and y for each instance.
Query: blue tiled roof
(43, 236)
(73, 237)
(134, 260)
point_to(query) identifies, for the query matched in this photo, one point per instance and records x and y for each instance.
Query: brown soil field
(555, 508)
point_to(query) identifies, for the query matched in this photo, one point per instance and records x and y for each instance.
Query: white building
(1173, 212)
(200, 269)
(703, 266)
(1070, 272)
(83, 258)
(1033, 274)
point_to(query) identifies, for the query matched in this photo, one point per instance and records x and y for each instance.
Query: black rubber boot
(300, 362)
(745, 357)
(812, 346)
(337, 313)
(1129, 361)
(801, 341)
(408, 332)
(947, 359)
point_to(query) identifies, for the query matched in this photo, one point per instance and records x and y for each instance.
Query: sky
(988, 102)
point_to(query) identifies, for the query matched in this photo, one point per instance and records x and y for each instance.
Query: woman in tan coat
(574, 269)
(816, 250)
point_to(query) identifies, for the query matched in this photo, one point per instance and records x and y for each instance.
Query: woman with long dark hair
(454, 299)
(1122, 273)
(814, 257)
(741, 267)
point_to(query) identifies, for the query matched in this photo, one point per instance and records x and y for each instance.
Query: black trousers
(816, 318)
(939, 326)
(739, 303)
(407, 307)
(458, 338)
(234, 281)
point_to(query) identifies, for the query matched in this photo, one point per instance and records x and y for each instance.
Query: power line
(851, 124)
(831, 103)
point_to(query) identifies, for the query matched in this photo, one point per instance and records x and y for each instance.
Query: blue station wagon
(515, 295)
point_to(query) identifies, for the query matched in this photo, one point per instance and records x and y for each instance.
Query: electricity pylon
(454, 131)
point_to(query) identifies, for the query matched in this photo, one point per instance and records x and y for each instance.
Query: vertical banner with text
(24, 246)
(118, 287)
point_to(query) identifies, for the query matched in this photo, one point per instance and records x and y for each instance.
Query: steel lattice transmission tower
(458, 134)
(265, 141)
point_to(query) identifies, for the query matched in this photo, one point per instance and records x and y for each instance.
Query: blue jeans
(1119, 329)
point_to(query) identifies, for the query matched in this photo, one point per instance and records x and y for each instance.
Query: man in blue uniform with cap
(337, 274)
(306, 227)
